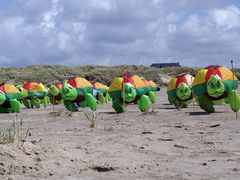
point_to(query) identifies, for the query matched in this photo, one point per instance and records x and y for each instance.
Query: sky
(114, 32)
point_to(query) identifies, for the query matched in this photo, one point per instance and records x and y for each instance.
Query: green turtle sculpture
(127, 90)
(216, 85)
(179, 90)
(77, 92)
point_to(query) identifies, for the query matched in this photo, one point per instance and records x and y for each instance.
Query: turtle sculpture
(33, 94)
(55, 93)
(216, 85)
(78, 92)
(100, 92)
(179, 90)
(127, 90)
(9, 98)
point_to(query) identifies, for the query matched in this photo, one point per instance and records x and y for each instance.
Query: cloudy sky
(113, 32)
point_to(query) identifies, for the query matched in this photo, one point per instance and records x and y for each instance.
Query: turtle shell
(81, 84)
(175, 81)
(152, 86)
(101, 87)
(58, 85)
(10, 91)
(140, 85)
(35, 89)
(200, 81)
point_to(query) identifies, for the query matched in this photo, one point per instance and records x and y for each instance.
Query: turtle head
(2, 97)
(183, 91)
(54, 90)
(129, 93)
(215, 86)
(68, 92)
(23, 92)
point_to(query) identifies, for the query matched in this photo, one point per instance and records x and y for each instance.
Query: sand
(167, 144)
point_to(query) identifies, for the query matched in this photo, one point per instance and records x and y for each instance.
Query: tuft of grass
(11, 133)
(92, 117)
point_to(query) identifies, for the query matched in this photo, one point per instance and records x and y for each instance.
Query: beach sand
(166, 144)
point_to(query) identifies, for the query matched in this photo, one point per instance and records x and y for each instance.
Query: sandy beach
(166, 144)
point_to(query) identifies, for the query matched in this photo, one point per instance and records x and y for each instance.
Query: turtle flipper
(206, 104)
(178, 104)
(143, 103)
(51, 99)
(15, 105)
(152, 97)
(44, 101)
(234, 100)
(26, 103)
(82, 104)
(69, 105)
(108, 98)
(101, 98)
(4, 110)
(91, 101)
(35, 102)
(117, 105)
(218, 102)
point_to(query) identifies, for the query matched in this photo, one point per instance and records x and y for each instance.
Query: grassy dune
(104, 74)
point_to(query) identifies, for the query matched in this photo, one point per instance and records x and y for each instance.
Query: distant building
(164, 65)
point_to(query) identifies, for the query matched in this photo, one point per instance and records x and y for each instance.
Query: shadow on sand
(199, 113)
(166, 108)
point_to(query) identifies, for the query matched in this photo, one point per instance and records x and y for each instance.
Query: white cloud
(102, 4)
(11, 24)
(227, 18)
(48, 19)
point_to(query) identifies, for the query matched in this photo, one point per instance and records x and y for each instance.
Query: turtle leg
(35, 102)
(218, 102)
(234, 100)
(176, 103)
(91, 101)
(44, 101)
(48, 99)
(101, 98)
(83, 104)
(15, 105)
(70, 106)
(143, 103)
(4, 110)
(206, 104)
(108, 98)
(152, 97)
(60, 101)
(51, 99)
(117, 105)
(26, 103)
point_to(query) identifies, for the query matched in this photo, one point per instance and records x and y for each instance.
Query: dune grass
(12, 132)
(57, 73)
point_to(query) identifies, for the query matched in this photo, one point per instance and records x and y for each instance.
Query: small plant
(12, 133)
(92, 116)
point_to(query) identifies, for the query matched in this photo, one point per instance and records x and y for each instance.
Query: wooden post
(192, 94)
(235, 98)
(124, 104)
(53, 102)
